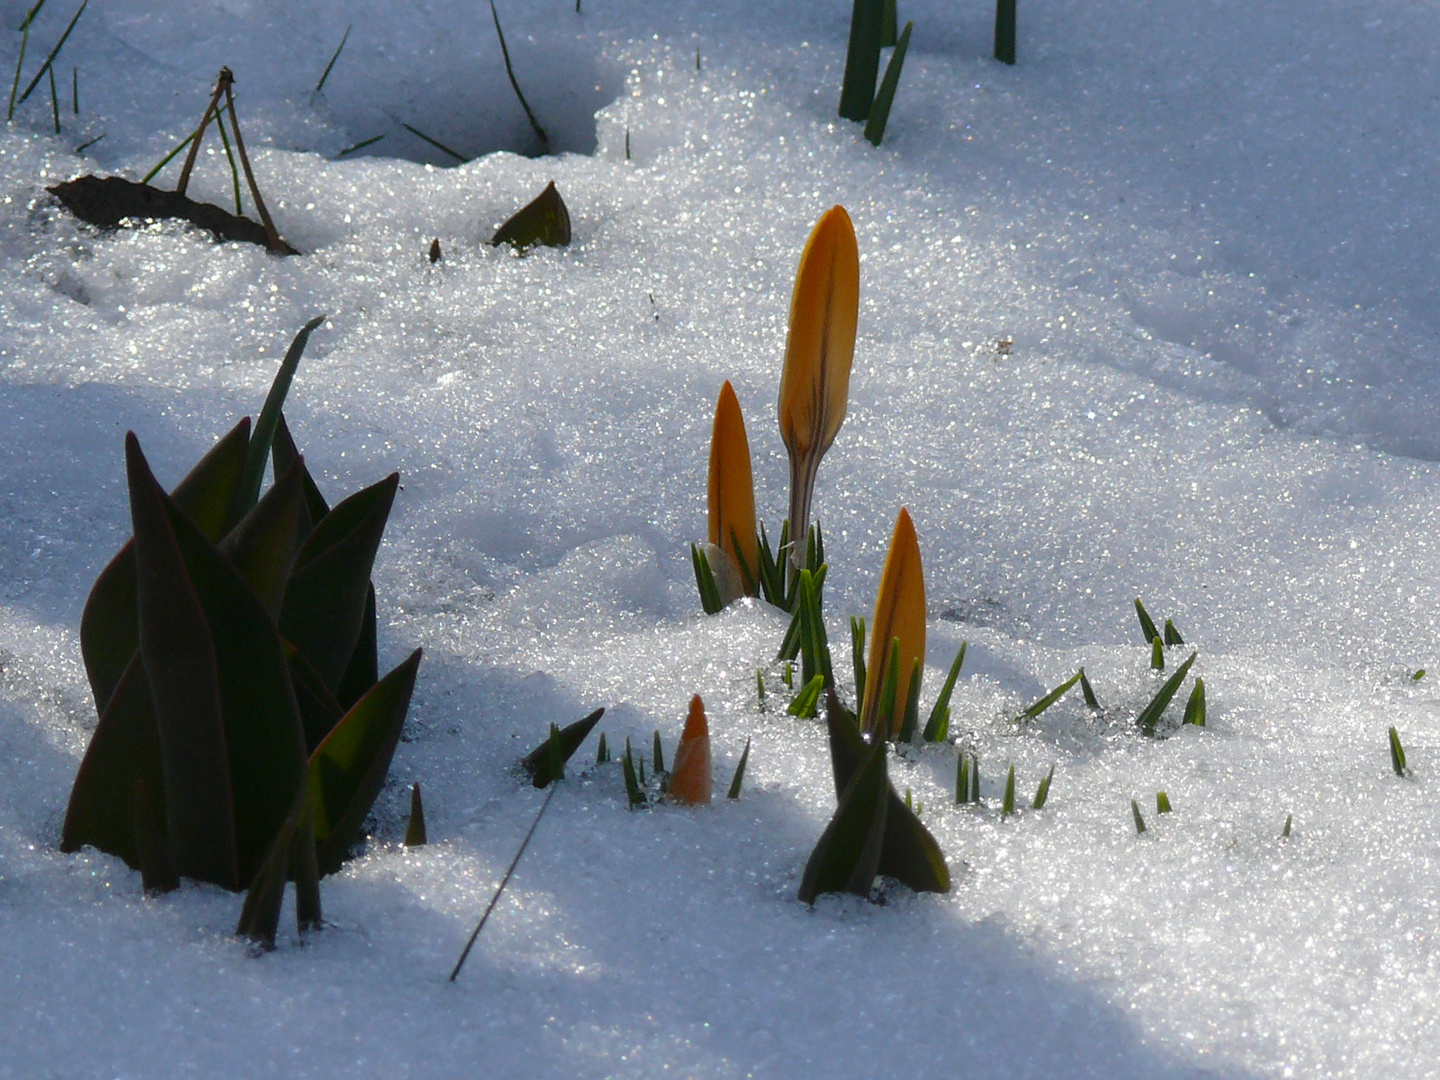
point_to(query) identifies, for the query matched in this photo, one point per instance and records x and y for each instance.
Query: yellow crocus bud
(899, 614)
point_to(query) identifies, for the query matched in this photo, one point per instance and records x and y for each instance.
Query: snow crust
(1208, 230)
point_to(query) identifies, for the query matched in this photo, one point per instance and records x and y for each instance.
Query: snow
(1208, 230)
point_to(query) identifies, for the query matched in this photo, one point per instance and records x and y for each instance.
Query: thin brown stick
(271, 236)
(222, 85)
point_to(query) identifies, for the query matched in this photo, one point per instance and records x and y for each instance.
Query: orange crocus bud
(732, 496)
(899, 613)
(690, 776)
(815, 383)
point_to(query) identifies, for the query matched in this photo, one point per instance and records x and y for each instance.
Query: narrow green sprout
(739, 777)
(434, 142)
(1195, 707)
(909, 803)
(857, 654)
(90, 142)
(415, 835)
(1005, 31)
(1150, 715)
(514, 85)
(339, 49)
(1007, 805)
(49, 60)
(705, 581)
(912, 703)
(1089, 691)
(890, 687)
(889, 24)
(20, 60)
(168, 158)
(1157, 655)
(1397, 753)
(75, 90)
(1285, 833)
(1162, 803)
(862, 60)
(937, 728)
(1139, 821)
(885, 96)
(1042, 793)
(975, 778)
(1049, 699)
(807, 701)
(633, 790)
(1172, 636)
(657, 754)
(697, 59)
(230, 155)
(54, 102)
(788, 675)
(360, 145)
(627, 144)
(962, 778)
(1147, 624)
(556, 755)
(602, 752)
(760, 687)
(640, 768)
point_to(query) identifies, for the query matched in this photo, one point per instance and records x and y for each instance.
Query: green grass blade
(857, 654)
(1049, 699)
(1397, 753)
(258, 452)
(230, 156)
(885, 96)
(1195, 707)
(862, 59)
(962, 778)
(1007, 804)
(602, 752)
(738, 779)
(1162, 803)
(1150, 715)
(54, 101)
(808, 699)
(53, 53)
(760, 687)
(632, 785)
(1089, 691)
(434, 142)
(168, 158)
(1139, 821)
(890, 688)
(1172, 636)
(705, 581)
(360, 145)
(514, 85)
(912, 703)
(1147, 625)
(937, 727)
(889, 24)
(341, 48)
(657, 753)
(1042, 793)
(1157, 655)
(1285, 834)
(1005, 31)
(89, 143)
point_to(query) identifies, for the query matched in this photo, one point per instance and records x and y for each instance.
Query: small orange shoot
(732, 494)
(899, 615)
(815, 383)
(690, 777)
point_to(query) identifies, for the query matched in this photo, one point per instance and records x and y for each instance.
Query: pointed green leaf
(602, 752)
(1397, 753)
(1195, 707)
(739, 776)
(109, 626)
(885, 96)
(260, 914)
(283, 454)
(544, 220)
(305, 871)
(909, 854)
(912, 704)
(263, 545)
(415, 828)
(1172, 636)
(1089, 691)
(364, 667)
(657, 753)
(179, 656)
(1150, 715)
(324, 611)
(710, 601)
(537, 763)
(962, 778)
(1007, 802)
(862, 59)
(1162, 803)
(847, 855)
(808, 699)
(937, 727)
(1042, 793)
(1139, 821)
(1049, 699)
(633, 791)
(1157, 655)
(857, 654)
(1147, 624)
(348, 768)
(157, 869)
(319, 709)
(259, 450)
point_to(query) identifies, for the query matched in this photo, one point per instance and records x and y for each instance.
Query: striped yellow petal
(899, 613)
(732, 490)
(815, 384)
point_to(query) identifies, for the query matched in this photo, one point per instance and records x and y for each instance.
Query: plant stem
(270, 234)
(510, 71)
(223, 81)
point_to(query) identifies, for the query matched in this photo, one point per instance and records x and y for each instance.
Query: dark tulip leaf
(364, 667)
(178, 654)
(123, 752)
(324, 610)
(537, 762)
(264, 740)
(847, 855)
(305, 871)
(263, 545)
(349, 767)
(319, 709)
(109, 627)
(910, 854)
(260, 914)
(157, 869)
(282, 454)
(544, 220)
(259, 450)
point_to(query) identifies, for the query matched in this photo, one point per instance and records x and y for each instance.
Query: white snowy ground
(1208, 228)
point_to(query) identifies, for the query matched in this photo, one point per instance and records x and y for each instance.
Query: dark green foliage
(889, 24)
(602, 752)
(415, 835)
(912, 703)
(219, 735)
(760, 687)
(780, 581)
(967, 778)
(1157, 655)
(1195, 707)
(806, 636)
(847, 855)
(1285, 833)
(1162, 803)
(538, 763)
(1172, 636)
(807, 701)
(1148, 630)
(1089, 691)
(705, 581)
(862, 59)
(857, 654)
(1005, 31)
(908, 852)
(937, 728)
(291, 855)
(739, 777)
(1042, 793)
(1418, 675)
(885, 96)
(1150, 715)
(657, 753)
(545, 220)
(1007, 804)
(633, 791)
(1397, 753)
(1139, 821)
(1050, 698)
